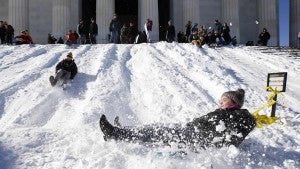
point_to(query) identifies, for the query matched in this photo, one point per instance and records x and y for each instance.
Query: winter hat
(236, 96)
(70, 55)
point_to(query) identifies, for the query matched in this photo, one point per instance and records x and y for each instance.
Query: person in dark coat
(228, 125)
(210, 39)
(114, 28)
(133, 32)
(263, 37)
(51, 39)
(9, 33)
(65, 70)
(60, 40)
(188, 28)
(141, 37)
(226, 34)
(82, 32)
(93, 31)
(2, 32)
(124, 35)
(181, 38)
(170, 35)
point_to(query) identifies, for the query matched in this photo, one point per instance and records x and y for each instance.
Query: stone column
(105, 10)
(191, 11)
(75, 13)
(294, 22)
(18, 15)
(247, 18)
(210, 11)
(177, 15)
(61, 17)
(149, 9)
(268, 16)
(230, 14)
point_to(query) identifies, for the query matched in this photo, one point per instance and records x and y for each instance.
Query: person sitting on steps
(65, 70)
(228, 125)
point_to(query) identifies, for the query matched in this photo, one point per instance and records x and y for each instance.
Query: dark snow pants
(63, 75)
(160, 134)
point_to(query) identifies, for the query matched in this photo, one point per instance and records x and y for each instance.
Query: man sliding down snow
(65, 70)
(226, 126)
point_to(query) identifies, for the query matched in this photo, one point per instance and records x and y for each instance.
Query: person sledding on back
(65, 70)
(228, 125)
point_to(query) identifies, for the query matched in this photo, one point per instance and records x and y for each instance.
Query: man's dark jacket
(171, 31)
(93, 28)
(67, 65)
(114, 25)
(264, 37)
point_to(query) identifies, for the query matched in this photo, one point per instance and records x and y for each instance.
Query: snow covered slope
(46, 127)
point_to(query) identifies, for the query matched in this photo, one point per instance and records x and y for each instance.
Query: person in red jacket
(70, 38)
(23, 38)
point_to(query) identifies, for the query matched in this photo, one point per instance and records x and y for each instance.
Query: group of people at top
(124, 34)
(129, 34)
(85, 34)
(7, 35)
(218, 35)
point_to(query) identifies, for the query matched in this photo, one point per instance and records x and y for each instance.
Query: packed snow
(47, 127)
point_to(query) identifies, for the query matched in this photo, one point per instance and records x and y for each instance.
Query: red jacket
(71, 37)
(25, 39)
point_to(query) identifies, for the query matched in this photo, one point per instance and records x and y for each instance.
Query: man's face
(225, 102)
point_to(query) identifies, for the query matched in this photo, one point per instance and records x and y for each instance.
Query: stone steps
(283, 51)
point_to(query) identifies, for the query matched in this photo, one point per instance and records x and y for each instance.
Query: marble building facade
(41, 17)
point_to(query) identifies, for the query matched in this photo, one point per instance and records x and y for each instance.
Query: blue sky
(284, 24)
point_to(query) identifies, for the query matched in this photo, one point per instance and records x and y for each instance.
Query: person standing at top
(93, 31)
(148, 29)
(170, 36)
(124, 36)
(9, 33)
(2, 32)
(225, 33)
(188, 29)
(133, 32)
(114, 28)
(82, 31)
(263, 37)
